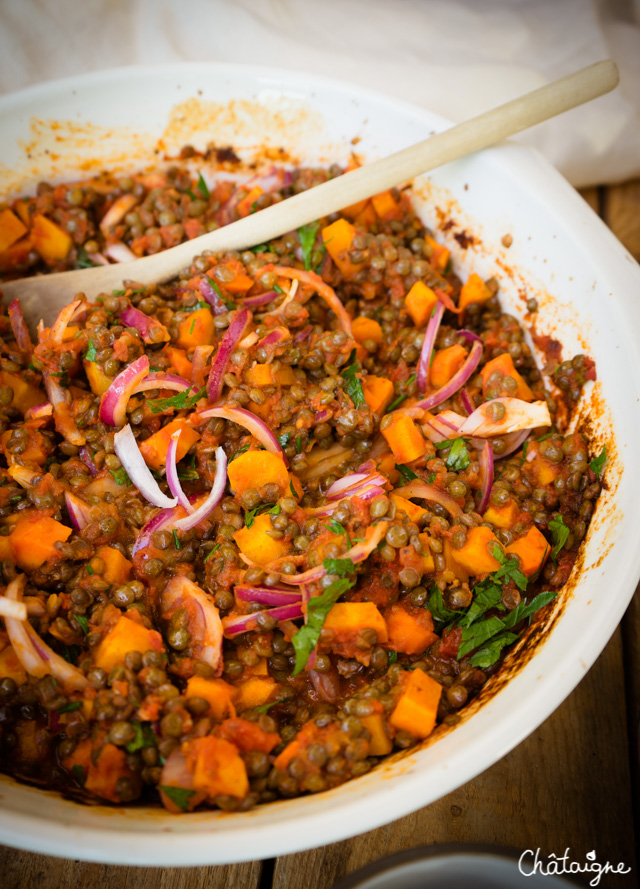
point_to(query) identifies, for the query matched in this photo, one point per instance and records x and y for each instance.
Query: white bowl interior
(587, 287)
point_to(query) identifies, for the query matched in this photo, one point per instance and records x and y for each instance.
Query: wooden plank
(24, 870)
(621, 212)
(566, 785)
(592, 197)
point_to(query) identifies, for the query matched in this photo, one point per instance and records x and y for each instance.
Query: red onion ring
(427, 346)
(117, 211)
(119, 252)
(113, 404)
(356, 554)
(456, 382)
(518, 415)
(209, 292)
(469, 335)
(261, 299)
(264, 595)
(205, 625)
(79, 511)
(172, 474)
(313, 280)
(19, 327)
(128, 452)
(513, 441)
(87, 459)
(229, 341)
(486, 476)
(215, 495)
(162, 381)
(252, 423)
(132, 317)
(429, 492)
(63, 318)
(39, 411)
(234, 626)
(466, 401)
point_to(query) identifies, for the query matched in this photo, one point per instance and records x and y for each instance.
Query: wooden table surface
(573, 783)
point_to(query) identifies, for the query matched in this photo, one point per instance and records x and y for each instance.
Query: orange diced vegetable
(418, 705)
(504, 366)
(247, 735)
(420, 303)
(16, 255)
(451, 564)
(439, 255)
(255, 691)
(354, 210)
(257, 468)
(25, 395)
(409, 632)
(386, 206)
(10, 666)
(6, 553)
(219, 694)
(98, 380)
(338, 238)
(11, 229)
(414, 511)
(366, 329)
(256, 544)
(179, 361)
(70, 333)
(474, 290)
(51, 242)
(35, 451)
(245, 206)
(504, 516)
(446, 363)
(542, 471)
(241, 283)
(367, 217)
(346, 619)
(34, 538)
(104, 774)
(125, 635)
(404, 438)
(380, 743)
(196, 329)
(116, 567)
(154, 449)
(378, 393)
(263, 375)
(22, 209)
(217, 767)
(532, 550)
(476, 555)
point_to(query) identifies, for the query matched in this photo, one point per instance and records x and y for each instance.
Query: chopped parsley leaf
(176, 540)
(180, 401)
(339, 528)
(509, 569)
(393, 656)
(91, 353)
(120, 476)
(203, 188)
(598, 463)
(431, 478)
(458, 457)
(214, 549)
(227, 302)
(298, 444)
(78, 773)
(144, 737)
(352, 384)
(178, 795)
(82, 620)
(341, 567)
(69, 708)
(307, 235)
(560, 534)
(406, 472)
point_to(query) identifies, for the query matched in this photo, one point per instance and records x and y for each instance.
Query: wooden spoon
(43, 296)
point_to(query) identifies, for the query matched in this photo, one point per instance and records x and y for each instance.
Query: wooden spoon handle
(44, 296)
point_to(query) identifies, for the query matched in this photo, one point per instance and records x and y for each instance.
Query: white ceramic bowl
(587, 287)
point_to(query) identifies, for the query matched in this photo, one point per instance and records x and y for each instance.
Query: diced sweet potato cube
(338, 238)
(104, 774)
(257, 468)
(414, 511)
(246, 205)
(255, 691)
(386, 206)
(532, 550)
(504, 516)
(366, 329)
(474, 290)
(409, 632)
(417, 707)
(98, 380)
(404, 438)
(217, 692)
(11, 229)
(503, 366)
(217, 767)
(439, 253)
(34, 538)
(125, 635)
(197, 329)
(179, 361)
(154, 449)
(420, 303)
(476, 555)
(446, 363)
(256, 544)
(346, 619)
(51, 242)
(380, 743)
(117, 568)
(241, 282)
(378, 393)
(25, 395)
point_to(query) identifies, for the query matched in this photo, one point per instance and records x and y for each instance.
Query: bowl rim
(352, 813)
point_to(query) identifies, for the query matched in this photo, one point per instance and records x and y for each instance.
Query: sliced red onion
(260, 300)
(63, 318)
(19, 327)
(368, 466)
(303, 334)
(321, 416)
(469, 335)
(87, 459)
(513, 442)
(215, 495)
(466, 401)
(311, 279)
(165, 519)
(437, 429)
(79, 511)
(162, 381)
(366, 494)
(518, 415)
(98, 259)
(172, 474)
(61, 402)
(119, 252)
(113, 404)
(486, 476)
(429, 492)
(427, 346)
(356, 554)
(234, 626)
(132, 317)
(16, 610)
(35, 655)
(456, 382)
(265, 595)
(128, 452)
(39, 411)
(23, 476)
(204, 623)
(252, 423)
(275, 336)
(210, 294)
(117, 211)
(353, 484)
(105, 483)
(199, 362)
(229, 341)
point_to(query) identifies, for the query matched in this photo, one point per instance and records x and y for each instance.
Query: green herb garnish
(306, 639)
(339, 528)
(176, 540)
(69, 708)
(489, 653)
(238, 452)
(82, 620)
(509, 569)
(298, 444)
(341, 567)
(203, 188)
(91, 352)
(458, 457)
(82, 259)
(178, 795)
(144, 737)
(89, 569)
(214, 549)
(307, 235)
(431, 478)
(264, 708)
(560, 534)
(180, 401)
(352, 384)
(270, 508)
(293, 490)
(439, 612)
(406, 472)
(598, 463)
(120, 476)
(227, 302)
(78, 773)
(393, 656)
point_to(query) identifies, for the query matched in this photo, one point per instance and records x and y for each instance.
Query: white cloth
(455, 57)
